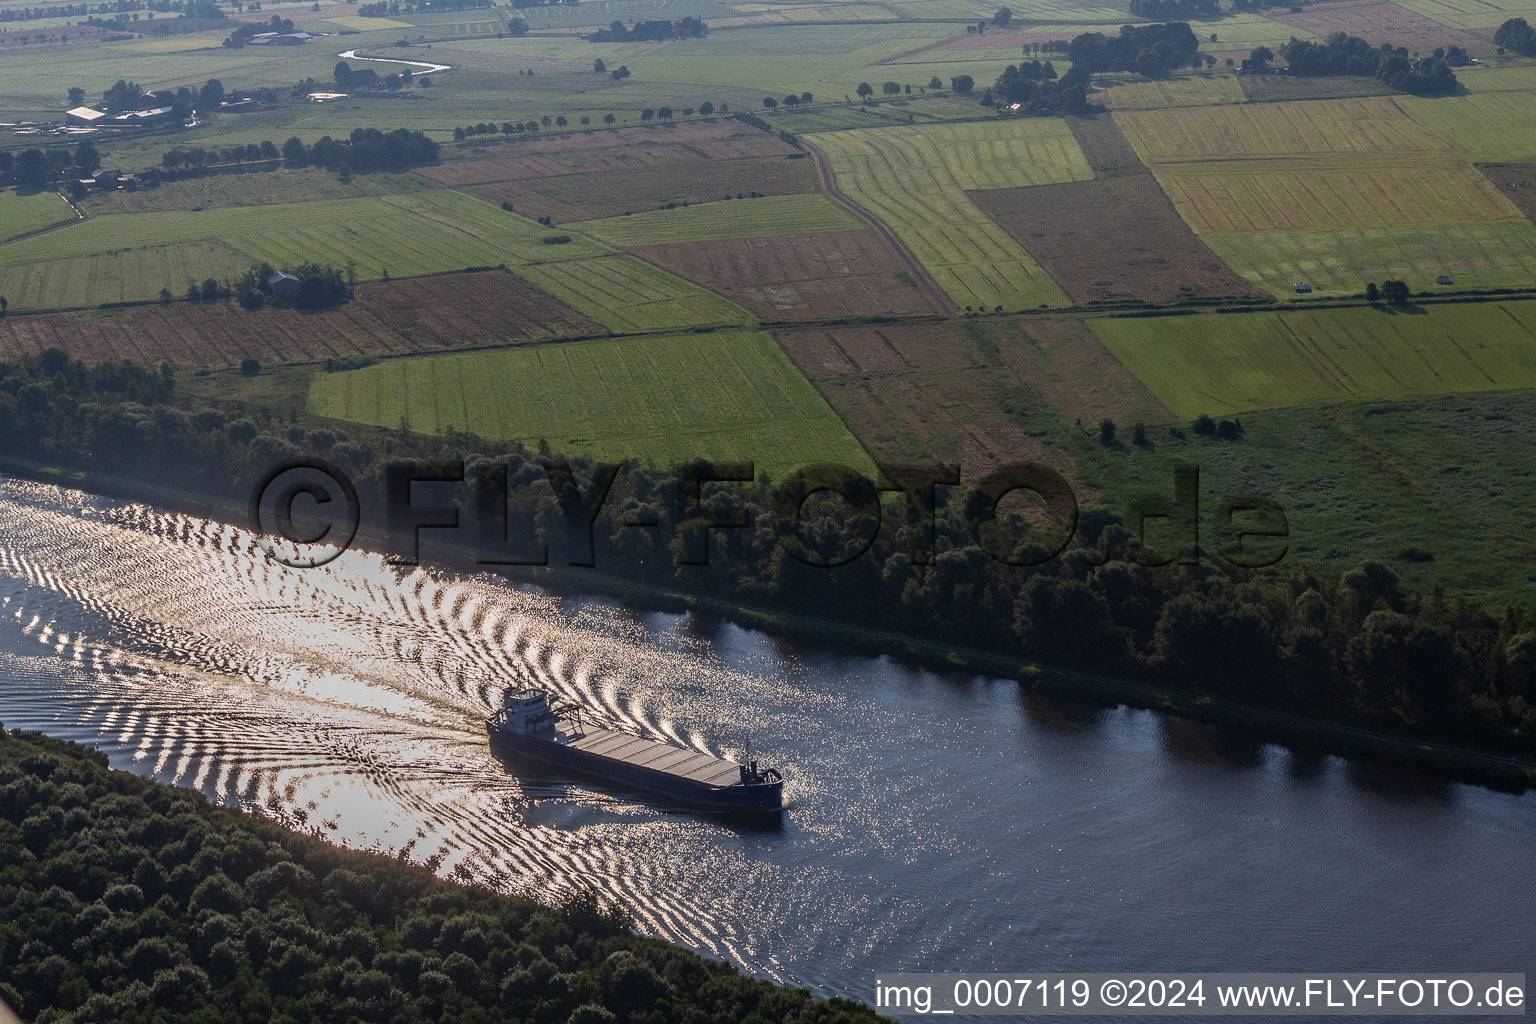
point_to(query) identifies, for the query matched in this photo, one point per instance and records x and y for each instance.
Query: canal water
(937, 821)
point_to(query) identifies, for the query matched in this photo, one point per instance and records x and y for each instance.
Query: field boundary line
(824, 171)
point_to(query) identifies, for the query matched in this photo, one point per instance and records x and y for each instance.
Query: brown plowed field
(569, 197)
(798, 277)
(584, 152)
(1108, 151)
(1112, 239)
(1066, 364)
(1517, 181)
(1116, 237)
(411, 315)
(1382, 22)
(983, 394)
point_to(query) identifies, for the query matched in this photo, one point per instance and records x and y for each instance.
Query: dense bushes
(122, 900)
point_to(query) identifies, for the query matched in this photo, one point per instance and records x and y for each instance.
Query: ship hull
(760, 798)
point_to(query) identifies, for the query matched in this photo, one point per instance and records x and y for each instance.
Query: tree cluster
(1175, 10)
(1343, 54)
(319, 285)
(123, 901)
(1396, 293)
(250, 30)
(1145, 49)
(125, 95)
(35, 168)
(650, 31)
(1036, 87)
(364, 150)
(197, 157)
(1515, 34)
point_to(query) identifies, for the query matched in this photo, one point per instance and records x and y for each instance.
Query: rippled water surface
(937, 823)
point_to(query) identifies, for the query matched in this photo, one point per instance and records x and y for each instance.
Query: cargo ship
(532, 726)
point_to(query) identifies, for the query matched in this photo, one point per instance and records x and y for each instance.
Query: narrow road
(926, 283)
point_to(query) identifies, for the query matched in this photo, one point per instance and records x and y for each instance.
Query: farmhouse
(153, 115)
(283, 285)
(84, 116)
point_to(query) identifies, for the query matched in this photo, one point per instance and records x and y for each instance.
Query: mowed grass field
(1185, 91)
(1291, 166)
(1331, 191)
(129, 275)
(20, 213)
(738, 218)
(1472, 13)
(132, 256)
(1334, 193)
(1359, 125)
(1483, 254)
(1488, 127)
(914, 178)
(730, 395)
(1226, 364)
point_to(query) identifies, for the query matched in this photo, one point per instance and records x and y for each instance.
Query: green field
(625, 293)
(1186, 134)
(1472, 13)
(392, 236)
(1224, 364)
(20, 213)
(915, 179)
(1481, 254)
(1244, 31)
(730, 395)
(131, 275)
(1363, 481)
(1186, 91)
(803, 213)
(1488, 127)
(1312, 164)
(1330, 190)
